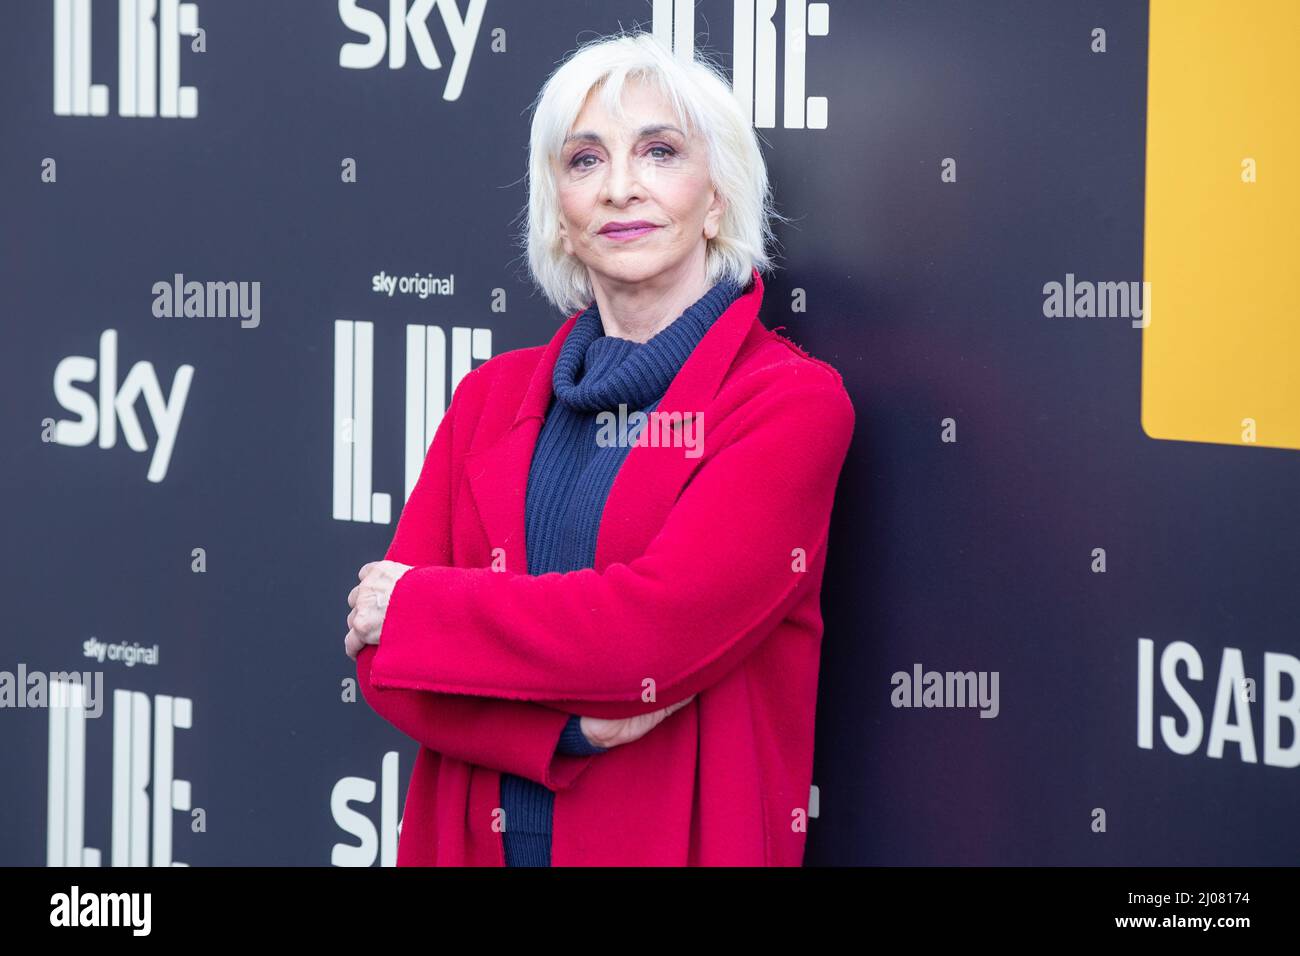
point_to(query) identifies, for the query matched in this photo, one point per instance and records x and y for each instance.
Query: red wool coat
(707, 581)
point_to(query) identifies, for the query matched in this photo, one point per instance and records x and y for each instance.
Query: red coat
(698, 588)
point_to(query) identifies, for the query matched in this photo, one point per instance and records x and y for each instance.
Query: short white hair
(704, 105)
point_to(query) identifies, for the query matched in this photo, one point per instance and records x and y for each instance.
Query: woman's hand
(369, 603)
(611, 733)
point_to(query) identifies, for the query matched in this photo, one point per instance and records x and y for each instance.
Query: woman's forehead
(643, 104)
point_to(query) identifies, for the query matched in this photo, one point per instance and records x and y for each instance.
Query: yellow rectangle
(1221, 355)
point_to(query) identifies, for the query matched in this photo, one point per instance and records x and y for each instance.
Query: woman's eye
(579, 162)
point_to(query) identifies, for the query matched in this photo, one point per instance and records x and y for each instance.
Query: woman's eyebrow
(587, 136)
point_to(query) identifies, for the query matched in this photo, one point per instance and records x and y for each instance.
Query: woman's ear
(713, 218)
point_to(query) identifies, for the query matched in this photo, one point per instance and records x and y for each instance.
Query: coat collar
(650, 478)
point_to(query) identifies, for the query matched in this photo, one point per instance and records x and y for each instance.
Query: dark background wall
(927, 295)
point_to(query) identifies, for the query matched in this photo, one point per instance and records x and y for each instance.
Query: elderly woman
(599, 615)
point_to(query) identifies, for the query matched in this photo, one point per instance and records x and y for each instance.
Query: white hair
(704, 105)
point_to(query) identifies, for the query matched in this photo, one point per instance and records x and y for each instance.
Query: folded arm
(717, 579)
(525, 739)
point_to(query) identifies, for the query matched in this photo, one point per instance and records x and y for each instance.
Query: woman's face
(643, 170)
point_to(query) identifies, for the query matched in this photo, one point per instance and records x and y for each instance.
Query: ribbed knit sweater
(570, 478)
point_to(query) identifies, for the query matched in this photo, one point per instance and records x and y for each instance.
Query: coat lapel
(649, 480)
(498, 474)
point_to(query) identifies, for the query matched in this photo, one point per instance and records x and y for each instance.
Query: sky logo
(412, 24)
(117, 404)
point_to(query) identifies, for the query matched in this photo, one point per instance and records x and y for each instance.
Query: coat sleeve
(511, 736)
(719, 577)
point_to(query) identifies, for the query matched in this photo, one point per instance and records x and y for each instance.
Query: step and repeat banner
(250, 248)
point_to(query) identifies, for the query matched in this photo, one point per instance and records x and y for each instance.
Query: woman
(604, 628)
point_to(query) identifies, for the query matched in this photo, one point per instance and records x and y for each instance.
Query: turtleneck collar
(598, 372)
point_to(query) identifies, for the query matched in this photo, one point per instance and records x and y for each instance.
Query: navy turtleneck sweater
(568, 482)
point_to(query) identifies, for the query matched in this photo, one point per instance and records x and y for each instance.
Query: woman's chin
(631, 268)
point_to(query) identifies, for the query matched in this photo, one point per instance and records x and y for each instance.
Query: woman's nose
(622, 181)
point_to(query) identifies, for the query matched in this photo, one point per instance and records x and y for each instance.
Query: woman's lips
(623, 235)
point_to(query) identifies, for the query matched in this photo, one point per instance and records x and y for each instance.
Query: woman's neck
(640, 310)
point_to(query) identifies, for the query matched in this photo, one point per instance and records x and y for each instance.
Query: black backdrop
(973, 555)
